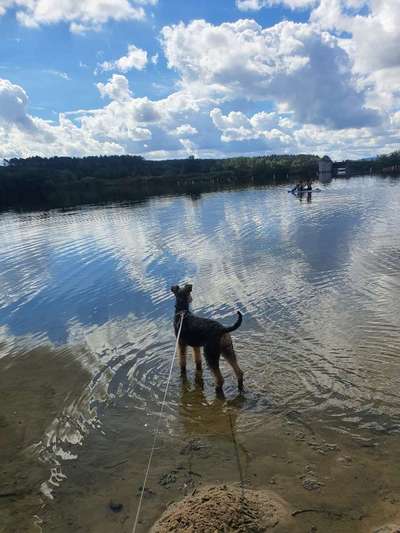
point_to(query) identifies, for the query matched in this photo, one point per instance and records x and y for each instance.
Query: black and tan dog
(200, 332)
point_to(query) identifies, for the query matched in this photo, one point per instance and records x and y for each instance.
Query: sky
(209, 78)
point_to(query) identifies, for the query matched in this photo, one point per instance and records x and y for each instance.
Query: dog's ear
(175, 289)
(188, 287)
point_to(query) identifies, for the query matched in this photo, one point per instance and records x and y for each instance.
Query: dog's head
(183, 296)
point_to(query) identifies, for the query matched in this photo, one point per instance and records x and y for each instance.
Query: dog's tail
(236, 325)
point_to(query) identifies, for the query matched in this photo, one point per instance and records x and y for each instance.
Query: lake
(86, 342)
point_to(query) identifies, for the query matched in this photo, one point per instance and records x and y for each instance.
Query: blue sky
(170, 78)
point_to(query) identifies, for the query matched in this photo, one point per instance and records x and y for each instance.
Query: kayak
(305, 191)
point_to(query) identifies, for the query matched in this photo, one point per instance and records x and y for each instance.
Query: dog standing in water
(200, 332)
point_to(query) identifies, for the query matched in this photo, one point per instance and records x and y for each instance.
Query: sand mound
(388, 528)
(221, 508)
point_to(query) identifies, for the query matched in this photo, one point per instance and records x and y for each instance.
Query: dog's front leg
(182, 357)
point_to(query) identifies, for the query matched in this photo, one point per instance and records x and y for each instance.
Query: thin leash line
(239, 465)
(157, 429)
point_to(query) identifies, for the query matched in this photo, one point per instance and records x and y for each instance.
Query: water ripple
(318, 284)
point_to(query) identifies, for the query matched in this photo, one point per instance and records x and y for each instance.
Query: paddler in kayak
(298, 188)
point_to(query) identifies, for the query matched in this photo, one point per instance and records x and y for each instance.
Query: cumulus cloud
(275, 132)
(124, 121)
(189, 146)
(125, 125)
(49, 139)
(375, 34)
(272, 131)
(289, 63)
(321, 87)
(136, 58)
(81, 16)
(370, 28)
(128, 119)
(184, 130)
(23, 135)
(13, 102)
(369, 31)
(237, 127)
(117, 88)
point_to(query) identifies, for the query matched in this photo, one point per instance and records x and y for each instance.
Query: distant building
(325, 165)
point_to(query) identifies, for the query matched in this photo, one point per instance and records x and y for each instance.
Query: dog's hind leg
(229, 355)
(219, 380)
(212, 354)
(182, 357)
(199, 369)
(197, 358)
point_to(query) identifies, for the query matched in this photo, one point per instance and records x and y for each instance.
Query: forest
(63, 181)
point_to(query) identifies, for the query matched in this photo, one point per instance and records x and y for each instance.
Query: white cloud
(369, 34)
(58, 74)
(277, 133)
(189, 146)
(117, 88)
(263, 126)
(129, 119)
(24, 135)
(317, 87)
(135, 58)
(371, 38)
(125, 125)
(270, 128)
(80, 15)
(118, 121)
(375, 34)
(184, 130)
(289, 63)
(47, 139)
(13, 102)
(235, 126)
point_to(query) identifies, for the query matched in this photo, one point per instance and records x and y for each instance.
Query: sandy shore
(332, 482)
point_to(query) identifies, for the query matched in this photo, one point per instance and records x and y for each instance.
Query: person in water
(298, 187)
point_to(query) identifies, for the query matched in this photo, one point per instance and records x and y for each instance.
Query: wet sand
(332, 481)
(330, 484)
(36, 386)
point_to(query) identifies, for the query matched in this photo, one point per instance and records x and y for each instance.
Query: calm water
(318, 283)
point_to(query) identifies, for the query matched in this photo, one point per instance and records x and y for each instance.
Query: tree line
(64, 180)
(382, 164)
(58, 181)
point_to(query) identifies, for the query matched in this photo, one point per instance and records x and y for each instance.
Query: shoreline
(139, 190)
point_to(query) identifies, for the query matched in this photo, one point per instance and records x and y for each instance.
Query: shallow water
(85, 320)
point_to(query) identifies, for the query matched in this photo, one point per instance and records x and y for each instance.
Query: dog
(200, 332)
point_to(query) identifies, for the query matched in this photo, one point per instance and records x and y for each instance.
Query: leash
(158, 426)
(237, 454)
